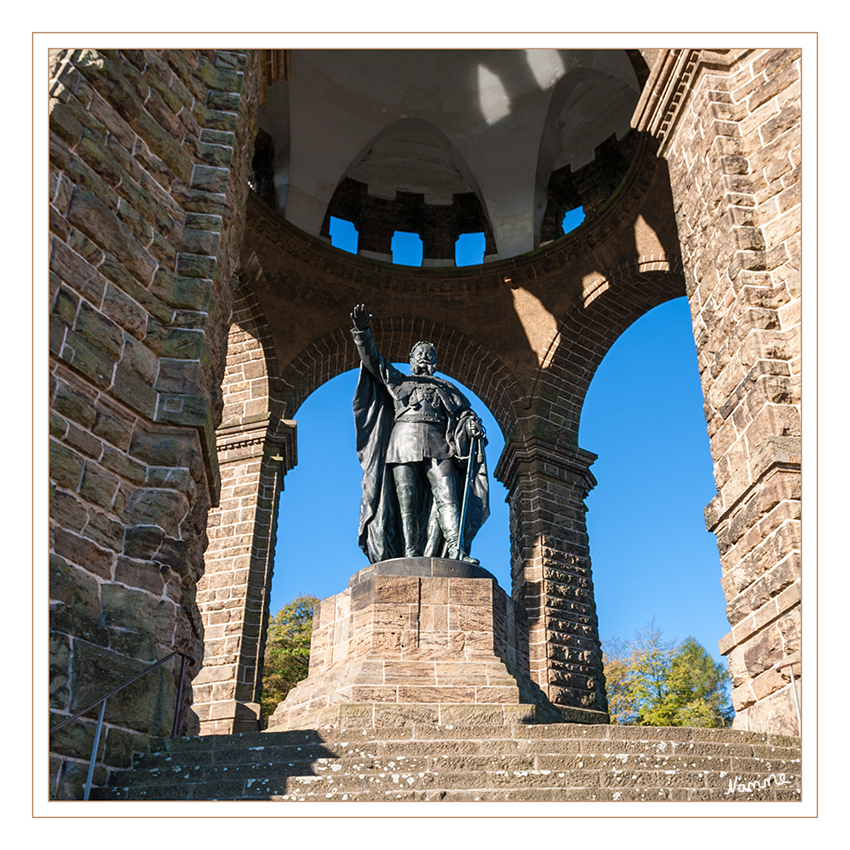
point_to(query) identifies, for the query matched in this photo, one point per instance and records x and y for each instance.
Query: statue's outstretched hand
(361, 318)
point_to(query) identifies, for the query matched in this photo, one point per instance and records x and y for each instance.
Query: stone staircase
(507, 762)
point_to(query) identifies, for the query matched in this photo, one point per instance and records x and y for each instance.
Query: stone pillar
(550, 569)
(233, 594)
(729, 125)
(149, 153)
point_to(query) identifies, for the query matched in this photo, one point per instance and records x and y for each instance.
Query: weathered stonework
(550, 569)
(526, 335)
(513, 761)
(189, 321)
(147, 195)
(732, 137)
(415, 638)
(255, 450)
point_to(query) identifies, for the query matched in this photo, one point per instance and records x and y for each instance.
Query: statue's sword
(461, 549)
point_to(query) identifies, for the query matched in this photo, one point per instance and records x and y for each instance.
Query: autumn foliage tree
(653, 682)
(287, 655)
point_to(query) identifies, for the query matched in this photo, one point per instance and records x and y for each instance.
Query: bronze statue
(425, 490)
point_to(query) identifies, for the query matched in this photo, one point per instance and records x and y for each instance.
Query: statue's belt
(422, 417)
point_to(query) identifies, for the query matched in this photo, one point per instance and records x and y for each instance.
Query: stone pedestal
(417, 639)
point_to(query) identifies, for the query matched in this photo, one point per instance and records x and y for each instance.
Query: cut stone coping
(422, 567)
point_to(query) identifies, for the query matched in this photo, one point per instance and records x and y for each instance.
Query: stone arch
(251, 386)
(254, 448)
(548, 478)
(459, 356)
(609, 304)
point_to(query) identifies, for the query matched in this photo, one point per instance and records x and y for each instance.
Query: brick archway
(255, 447)
(526, 336)
(720, 227)
(459, 356)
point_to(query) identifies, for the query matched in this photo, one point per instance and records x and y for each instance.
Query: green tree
(287, 655)
(619, 681)
(696, 689)
(653, 682)
(650, 660)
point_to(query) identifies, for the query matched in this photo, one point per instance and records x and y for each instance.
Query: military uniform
(428, 434)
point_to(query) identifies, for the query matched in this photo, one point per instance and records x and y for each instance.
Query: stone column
(149, 151)
(729, 125)
(233, 594)
(550, 569)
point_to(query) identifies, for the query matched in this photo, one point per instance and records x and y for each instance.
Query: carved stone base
(417, 640)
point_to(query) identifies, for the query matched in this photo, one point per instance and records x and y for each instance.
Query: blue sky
(651, 554)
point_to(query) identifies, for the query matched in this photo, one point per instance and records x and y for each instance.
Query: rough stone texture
(139, 310)
(150, 155)
(413, 642)
(255, 449)
(733, 144)
(710, 206)
(507, 762)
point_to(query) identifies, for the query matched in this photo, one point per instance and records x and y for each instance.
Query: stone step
(542, 762)
(380, 783)
(531, 732)
(473, 766)
(473, 756)
(223, 750)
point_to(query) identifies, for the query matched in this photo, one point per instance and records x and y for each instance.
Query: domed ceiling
(444, 142)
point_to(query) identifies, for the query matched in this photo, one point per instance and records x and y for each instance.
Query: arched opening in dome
(572, 219)
(407, 248)
(410, 177)
(469, 249)
(343, 235)
(586, 145)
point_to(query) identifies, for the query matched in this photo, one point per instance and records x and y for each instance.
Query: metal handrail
(102, 703)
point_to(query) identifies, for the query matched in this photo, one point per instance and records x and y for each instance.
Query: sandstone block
(88, 360)
(76, 403)
(89, 213)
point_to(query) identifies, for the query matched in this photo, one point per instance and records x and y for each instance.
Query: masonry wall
(149, 159)
(255, 450)
(734, 152)
(149, 152)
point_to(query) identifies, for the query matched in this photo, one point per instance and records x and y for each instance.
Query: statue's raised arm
(421, 447)
(378, 366)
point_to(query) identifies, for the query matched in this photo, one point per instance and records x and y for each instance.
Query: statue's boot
(434, 538)
(410, 533)
(442, 487)
(408, 502)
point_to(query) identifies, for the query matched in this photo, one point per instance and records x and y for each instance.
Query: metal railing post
(93, 758)
(179, 697)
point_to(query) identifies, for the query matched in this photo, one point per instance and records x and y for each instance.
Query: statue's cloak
(379, 533)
